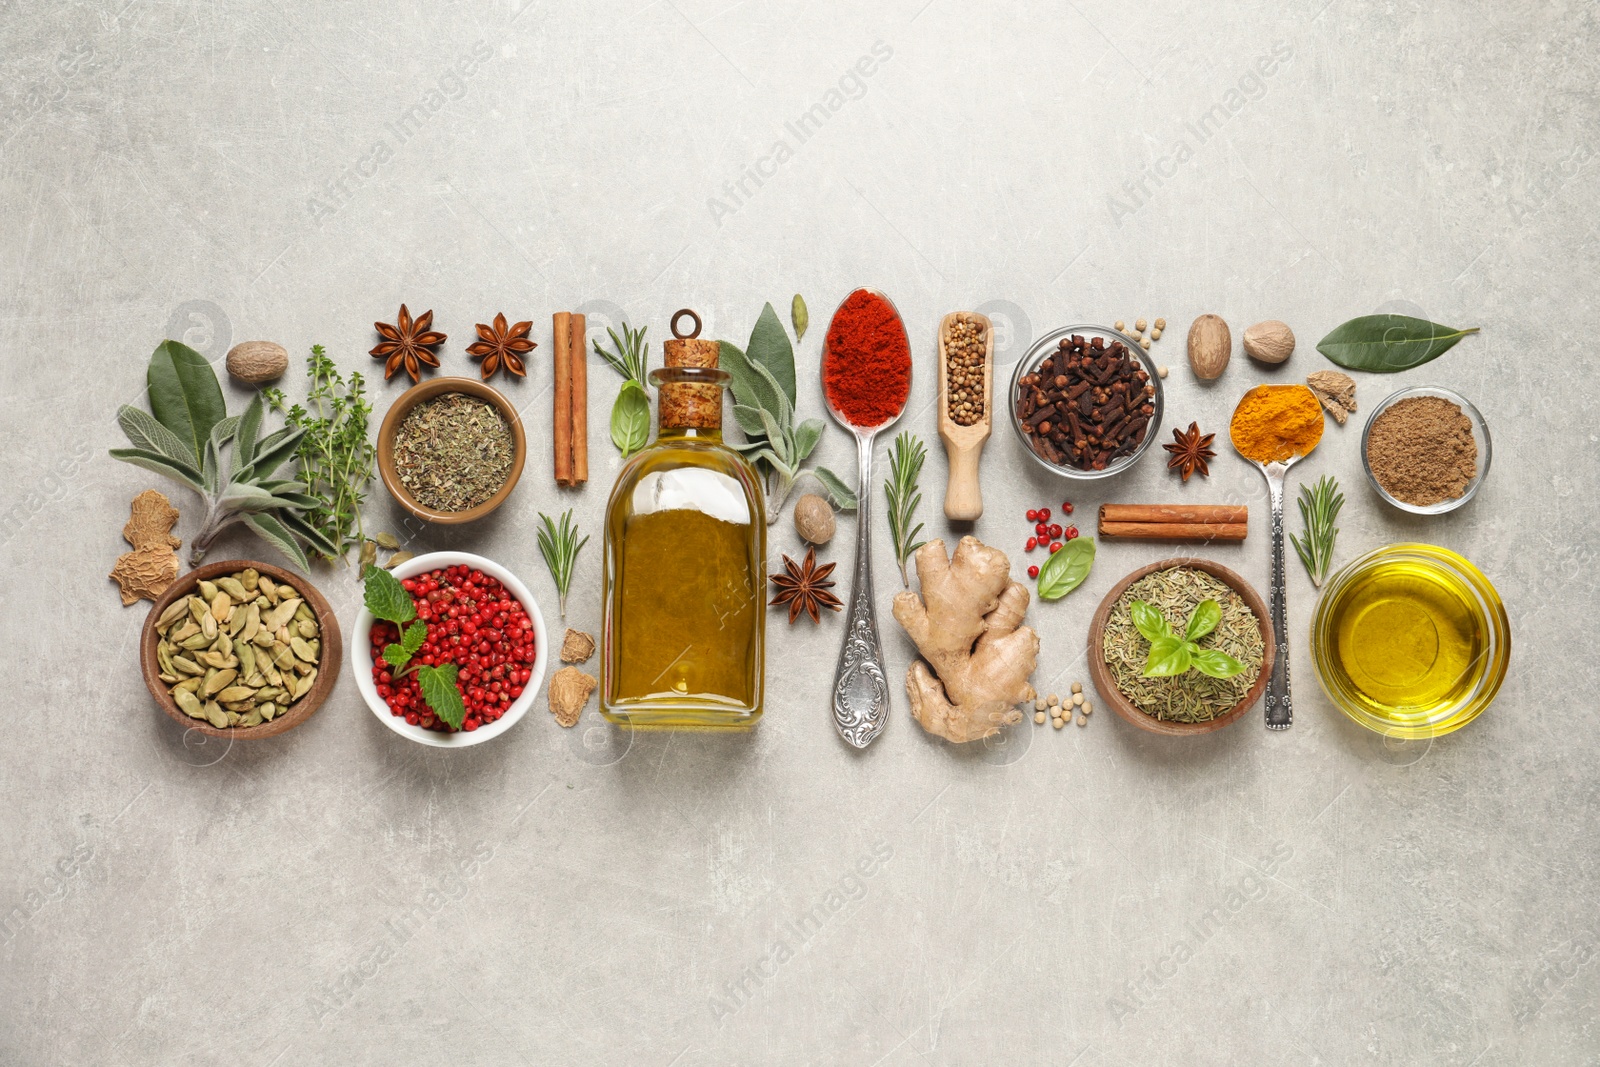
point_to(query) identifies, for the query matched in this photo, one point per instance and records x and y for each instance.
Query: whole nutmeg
(1210, 345)
(257, 362)
(1270, 342)
(813, 519)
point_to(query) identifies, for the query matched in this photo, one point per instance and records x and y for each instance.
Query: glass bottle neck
(711, 435)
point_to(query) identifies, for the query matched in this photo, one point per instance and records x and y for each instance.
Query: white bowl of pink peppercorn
(488, 603)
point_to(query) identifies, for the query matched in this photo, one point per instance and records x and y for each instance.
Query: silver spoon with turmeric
(1275, 427)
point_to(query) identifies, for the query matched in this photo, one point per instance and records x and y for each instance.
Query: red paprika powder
(866, 372)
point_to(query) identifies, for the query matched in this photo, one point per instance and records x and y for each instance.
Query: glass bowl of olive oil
(1411, 640)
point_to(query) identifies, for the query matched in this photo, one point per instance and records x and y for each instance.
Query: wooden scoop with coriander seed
(966, 409)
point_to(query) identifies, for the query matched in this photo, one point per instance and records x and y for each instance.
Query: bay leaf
(1388, 343)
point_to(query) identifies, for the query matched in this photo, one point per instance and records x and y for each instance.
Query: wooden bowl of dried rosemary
(451, 450)
(271, 693)
(1224, 668)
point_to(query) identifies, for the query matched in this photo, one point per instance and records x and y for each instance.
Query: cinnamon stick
(561, 322)
(1169, 513)
(1173, 531)
(580, 402)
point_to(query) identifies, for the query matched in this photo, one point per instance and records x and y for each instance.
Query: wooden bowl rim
(302, 709)
(1113, 696)
(427, 391)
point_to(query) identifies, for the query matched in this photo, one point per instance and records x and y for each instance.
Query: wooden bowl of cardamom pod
(241, 649)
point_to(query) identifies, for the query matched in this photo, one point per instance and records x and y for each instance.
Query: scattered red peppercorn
(1066, 507)
(1033, 543)
(1055, 546)
(1042, 529)
(1033, 514)
(1055, 529)
(1072, 531)
(1033, 572)
(1044, 514)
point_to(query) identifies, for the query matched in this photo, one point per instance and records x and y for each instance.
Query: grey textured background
(229, 171)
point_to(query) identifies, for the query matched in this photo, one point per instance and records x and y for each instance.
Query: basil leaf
(178, 470)
(145, 433)
(1169, 656)
(1216, 663)
(386, 598)
(630, 419)
(438, 686)
(185, 396)
(1149, 621)
(770, 350)
(799, 316)
(1385, 343)
(842, 495)
(1066, 568)
(271, 530)
(1202, 620)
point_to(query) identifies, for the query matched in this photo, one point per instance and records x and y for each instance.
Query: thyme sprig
(559, 545)
(1319, 507)
(336, 455)
(905, 466)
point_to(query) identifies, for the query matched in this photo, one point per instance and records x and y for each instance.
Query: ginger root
(968, 626)
(570, 690)
(151, 566)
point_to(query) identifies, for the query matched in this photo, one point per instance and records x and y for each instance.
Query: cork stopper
(691, 383)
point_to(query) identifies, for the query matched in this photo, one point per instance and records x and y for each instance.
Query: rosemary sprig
(905, 465)
(1319, 507)
(559, 544)
(632, 353)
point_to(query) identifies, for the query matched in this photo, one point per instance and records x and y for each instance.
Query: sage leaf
(842, 496)
(806, 435)
(749, 420)
(1169, 656)
(1148, 620)
(798, 314)
(1387, 343)
(272, 452)
(1202, 620)
(145, 433)
(271, 529)
(731, 358)
(1213, 661)
(249, 429)
(630, 419)
(439, 689)
(386, 598)
(770, 348)
(185, 396)
(313, 535)
(177, 470)
(1066, 568)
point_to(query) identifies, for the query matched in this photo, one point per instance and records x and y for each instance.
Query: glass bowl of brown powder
(1426, 450)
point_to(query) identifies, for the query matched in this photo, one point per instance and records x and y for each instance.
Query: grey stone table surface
(240, 170)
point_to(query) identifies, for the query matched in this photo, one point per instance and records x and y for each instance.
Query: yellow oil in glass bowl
(1411, 640)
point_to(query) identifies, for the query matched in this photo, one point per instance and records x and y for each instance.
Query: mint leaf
(396, 657)
(386, 598)
(439, 690)
(415, 637)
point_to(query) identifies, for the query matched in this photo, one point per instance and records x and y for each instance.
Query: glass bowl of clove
(1086, 401)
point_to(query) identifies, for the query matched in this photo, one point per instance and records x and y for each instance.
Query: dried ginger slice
(570, 690)
(146, 572)
(577, 647)
(1336, 390)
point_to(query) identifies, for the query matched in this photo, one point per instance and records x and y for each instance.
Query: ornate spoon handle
(860, 690)
(1280, 711)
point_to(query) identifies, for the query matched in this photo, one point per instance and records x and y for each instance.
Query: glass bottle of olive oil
(685, 564)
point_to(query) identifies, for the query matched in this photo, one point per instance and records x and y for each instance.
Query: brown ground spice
(1422, 450)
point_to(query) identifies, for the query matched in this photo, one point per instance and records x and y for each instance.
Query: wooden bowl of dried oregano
(451, 450)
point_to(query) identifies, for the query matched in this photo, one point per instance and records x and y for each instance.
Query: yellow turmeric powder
(1275, 422)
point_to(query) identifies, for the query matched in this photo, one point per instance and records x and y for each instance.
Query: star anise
(1190, 450)
(406, 344)
(804, 587)
(499, 347)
